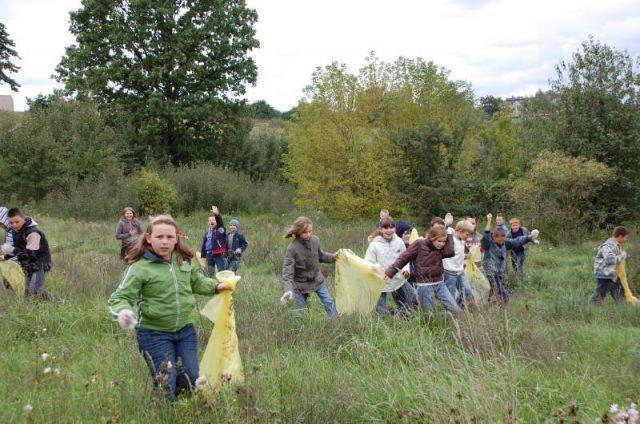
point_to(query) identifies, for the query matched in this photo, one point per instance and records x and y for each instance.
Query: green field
(547, 350)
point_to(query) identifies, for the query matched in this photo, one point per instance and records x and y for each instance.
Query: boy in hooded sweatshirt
(30, 248)
(427, 255)
(495, 245)
(237, 245)
(384, 249)
(609, 255)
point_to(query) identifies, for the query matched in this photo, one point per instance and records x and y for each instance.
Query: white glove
(624, 255)
(127, 319)
(238, 251)
(448, 220)
(286, 296)
(534, 235)
(7, 249)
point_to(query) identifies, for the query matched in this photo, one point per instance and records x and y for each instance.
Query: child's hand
(386, 278)
(624, 255)
(238, 251)
(6, 249)
(448, 219)
(127, 319)
(489, 216)
(223, 287)
(214, 210)
(1, 257)
(534, 235)
(286, 297)
(405, 274)
(336, 255)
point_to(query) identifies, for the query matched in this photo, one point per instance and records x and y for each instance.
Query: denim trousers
(34, 283)
(426, 293)
(325, 298)
(604, 287)
(405, 298)
(460, 284)
(213, 262)
(498, 293)
(172, 358)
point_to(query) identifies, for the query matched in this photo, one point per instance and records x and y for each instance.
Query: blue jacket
(239, 242)
(494, 258)
(214, 242)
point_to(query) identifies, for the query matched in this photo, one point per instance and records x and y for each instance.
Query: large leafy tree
(597, 115)
(7, 53)
(178, 66)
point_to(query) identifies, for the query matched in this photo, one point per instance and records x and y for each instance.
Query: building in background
(6, 103)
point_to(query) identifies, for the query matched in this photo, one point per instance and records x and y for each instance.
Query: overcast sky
(501, 47)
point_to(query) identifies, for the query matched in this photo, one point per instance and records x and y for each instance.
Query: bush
(155, 194)
(201, 185)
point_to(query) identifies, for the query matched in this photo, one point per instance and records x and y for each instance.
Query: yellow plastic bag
(12, 272)
(479, 283)
(622, 274)
(358, 283)
(414, 236)
(221, 361)
(475, 254)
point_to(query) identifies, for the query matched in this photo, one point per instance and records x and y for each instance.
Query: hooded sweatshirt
(162, 291)
(384, 253)
(427, 260)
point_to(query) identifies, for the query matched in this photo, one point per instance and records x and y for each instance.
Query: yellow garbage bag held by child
(12, 272)
(414, 236)
(479, 283)
(221, 361)
(358, 283)
(622, 274)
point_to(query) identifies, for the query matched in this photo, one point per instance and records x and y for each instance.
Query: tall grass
(546, 350)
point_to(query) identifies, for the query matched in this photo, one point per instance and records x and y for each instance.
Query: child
(237, 245)
(384, 249)
(128, 231)
(160, 281)
(500, 222)
(30, 248)
(609, 255)
(4, 224)
(518, 254)
(495, 247)
(301, 273)
(214, 247)
(427, 256)
(454, 276)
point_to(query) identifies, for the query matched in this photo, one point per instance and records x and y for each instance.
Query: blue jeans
(459, 283)
(213, 262)
(440, 291)
(405, 298)
(34, 283)
(517, 261)
(325, 298)
(173, 357)
(234, 264)
(498, 293)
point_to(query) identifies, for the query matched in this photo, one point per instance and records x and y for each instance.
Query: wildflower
(44, 356)
(94, 378)
(614, 408)
(44, 330)
(28, 408)
(57, 371)
(47, 370)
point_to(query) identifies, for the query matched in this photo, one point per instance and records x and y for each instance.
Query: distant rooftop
(6, 102)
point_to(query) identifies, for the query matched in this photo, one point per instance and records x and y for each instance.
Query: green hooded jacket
(163, 292)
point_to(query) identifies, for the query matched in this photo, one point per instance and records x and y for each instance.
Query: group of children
(417, 273)
(221, 250)
(160, 279)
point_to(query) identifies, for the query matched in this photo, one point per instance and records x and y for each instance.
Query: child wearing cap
(237, 244)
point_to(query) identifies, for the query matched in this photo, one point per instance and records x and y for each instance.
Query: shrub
(155, 195)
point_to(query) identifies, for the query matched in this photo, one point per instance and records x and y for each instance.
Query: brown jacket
(427, 260)
(301, 267)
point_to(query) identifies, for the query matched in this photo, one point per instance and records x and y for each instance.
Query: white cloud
(502, 47)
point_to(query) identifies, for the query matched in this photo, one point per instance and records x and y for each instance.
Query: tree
(491, 105)
(57, 146)
(177, 66)
(263, 110)
(7, 52)
(596, 114)
(560, 193)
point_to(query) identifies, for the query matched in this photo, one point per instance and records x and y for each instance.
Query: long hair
(136, 252)
(129, 209)
(386, 222)
(299, 226)
(437, 233)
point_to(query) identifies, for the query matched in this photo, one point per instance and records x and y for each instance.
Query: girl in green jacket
(160, 283)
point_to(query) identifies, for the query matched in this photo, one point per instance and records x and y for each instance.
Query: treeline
(404, 135)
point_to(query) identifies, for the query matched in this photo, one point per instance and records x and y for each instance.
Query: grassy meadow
(547, 357)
